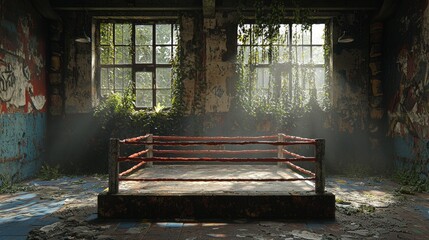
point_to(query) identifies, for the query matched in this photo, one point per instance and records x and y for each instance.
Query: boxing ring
(150, 152)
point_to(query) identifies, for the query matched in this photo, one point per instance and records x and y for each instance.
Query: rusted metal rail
(277, 143)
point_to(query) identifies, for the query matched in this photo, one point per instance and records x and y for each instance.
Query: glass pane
(122, 34)
(296, 34)
(106, 55)
(243, 37)
(306, 55)
(122, 78)
(284, 34)
(143, 80)
(105, 92)
(283, 54)
(122, 55)
(163, 78)
(318, 32)
(303, 55)
(263, 78)
(144, 54)
(306, 37)
(163, 97)
(261, 55)
(144, 35)
(163, 34)
(144, 98)
(319, 77)
(106, 83)
(163, 55)
(106, 33)
(318, 56)
(258, 35)
(243, 54)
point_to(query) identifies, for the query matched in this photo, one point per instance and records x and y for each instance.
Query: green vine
(291, 88)
(117, 116)
(327, 51)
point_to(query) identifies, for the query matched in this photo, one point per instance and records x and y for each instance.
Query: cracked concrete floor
(65, 208)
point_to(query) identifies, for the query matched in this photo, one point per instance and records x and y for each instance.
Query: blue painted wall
(22, 144)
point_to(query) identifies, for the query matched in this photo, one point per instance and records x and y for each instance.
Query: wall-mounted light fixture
(83, 38)
(345, 24)
(346, 37)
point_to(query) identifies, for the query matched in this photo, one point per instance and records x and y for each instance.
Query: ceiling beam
(180, 5)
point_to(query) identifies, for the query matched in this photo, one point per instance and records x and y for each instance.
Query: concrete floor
(367, 208)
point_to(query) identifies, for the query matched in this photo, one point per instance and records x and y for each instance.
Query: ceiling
(174, 5)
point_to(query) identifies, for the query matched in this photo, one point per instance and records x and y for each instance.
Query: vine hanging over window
(287, 71)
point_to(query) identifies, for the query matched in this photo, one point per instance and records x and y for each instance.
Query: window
(291, 66)
(137, 56)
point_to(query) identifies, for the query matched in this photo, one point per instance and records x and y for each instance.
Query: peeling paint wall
(22, 89)
(407, 84)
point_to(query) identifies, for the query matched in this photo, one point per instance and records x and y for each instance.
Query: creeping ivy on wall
(282, 64)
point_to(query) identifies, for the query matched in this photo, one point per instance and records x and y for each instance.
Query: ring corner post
(320, 170)
(113, 166)
(149, 154)
(280, 138)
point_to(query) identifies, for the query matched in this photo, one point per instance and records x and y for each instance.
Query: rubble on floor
(66, 209)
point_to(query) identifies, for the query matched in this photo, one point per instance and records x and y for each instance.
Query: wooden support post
(320, 170)
(113, 166)
(150, 148)
(280, 150)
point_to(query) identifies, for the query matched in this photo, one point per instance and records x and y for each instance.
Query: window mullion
(114, 55)
(133, 58)
(154, 64)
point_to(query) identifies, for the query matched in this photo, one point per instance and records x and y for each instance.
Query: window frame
(135, 66)
(291, 46)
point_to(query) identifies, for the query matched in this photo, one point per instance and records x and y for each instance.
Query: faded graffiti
(15, 84)
(7, 81)
(21, 67)
(408, 105)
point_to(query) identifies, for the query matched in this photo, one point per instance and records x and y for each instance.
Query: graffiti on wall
(408, 106)
(16, 88)
(22, 83)
(7, 82)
